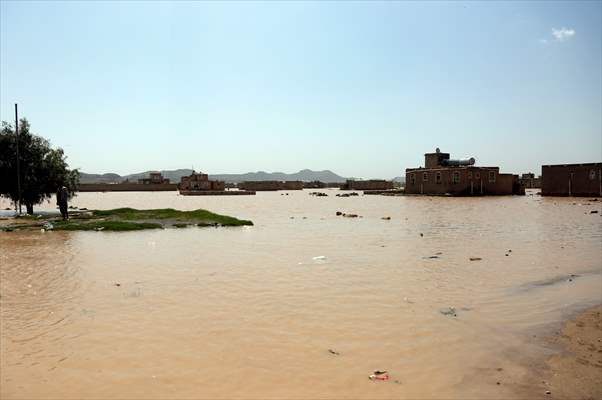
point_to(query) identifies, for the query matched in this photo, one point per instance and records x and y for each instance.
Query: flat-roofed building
(155, 178)
(444, 176)
(572, 180)
(530, 181)
(200, 181)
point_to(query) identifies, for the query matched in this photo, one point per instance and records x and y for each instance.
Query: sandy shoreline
(575, 372)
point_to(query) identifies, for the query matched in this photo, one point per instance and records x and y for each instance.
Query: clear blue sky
(361, 88)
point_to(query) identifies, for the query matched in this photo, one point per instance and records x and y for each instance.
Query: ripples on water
(248, 312)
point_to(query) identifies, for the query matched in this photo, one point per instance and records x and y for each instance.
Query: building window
(469, 174)
(491, 176)
(456, 177)
(592, 174)
(425, 176)
(477, 175)
(438, 177)
(412, 179)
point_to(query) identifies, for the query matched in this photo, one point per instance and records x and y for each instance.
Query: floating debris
(386, 218)
(449, 311)
(475, 258)
(379, 376)
(319, 258)
(339, 213)
(336, 353)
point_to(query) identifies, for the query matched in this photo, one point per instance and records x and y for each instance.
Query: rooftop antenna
(18, 159)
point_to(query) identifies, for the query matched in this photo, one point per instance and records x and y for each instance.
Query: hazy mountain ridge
(175, 175)
(99, 178)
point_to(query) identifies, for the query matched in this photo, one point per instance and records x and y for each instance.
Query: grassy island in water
(124, 219)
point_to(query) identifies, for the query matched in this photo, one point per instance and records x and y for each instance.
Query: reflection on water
(252, 313)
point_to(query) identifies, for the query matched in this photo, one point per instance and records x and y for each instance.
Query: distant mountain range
(174, 176)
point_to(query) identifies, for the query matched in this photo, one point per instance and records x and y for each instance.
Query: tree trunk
(29, 209)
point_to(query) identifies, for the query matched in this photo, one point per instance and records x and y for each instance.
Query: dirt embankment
(576, 373)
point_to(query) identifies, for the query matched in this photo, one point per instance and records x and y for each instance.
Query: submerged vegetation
(125, 219)
(104, 225)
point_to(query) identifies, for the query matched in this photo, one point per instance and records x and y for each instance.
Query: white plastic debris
(319, 258)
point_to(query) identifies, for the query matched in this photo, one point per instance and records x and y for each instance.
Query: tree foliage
(43, 170)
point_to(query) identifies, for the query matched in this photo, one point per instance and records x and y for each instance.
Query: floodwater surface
(304, 304)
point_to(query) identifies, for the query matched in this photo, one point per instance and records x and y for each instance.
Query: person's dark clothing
(61, 200)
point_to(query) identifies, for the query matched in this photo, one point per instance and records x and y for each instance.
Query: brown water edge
(568, 365)
(575, 369)
(248, 312)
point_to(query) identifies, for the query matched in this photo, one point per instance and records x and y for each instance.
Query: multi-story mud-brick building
(200, 181)
(572, 180)
(444, 176)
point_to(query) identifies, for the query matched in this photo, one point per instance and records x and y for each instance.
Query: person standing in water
(62, 195)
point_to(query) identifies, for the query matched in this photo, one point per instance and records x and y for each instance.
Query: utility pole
(18, 159)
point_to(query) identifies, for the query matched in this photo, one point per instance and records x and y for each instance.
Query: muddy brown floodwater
(252, 313)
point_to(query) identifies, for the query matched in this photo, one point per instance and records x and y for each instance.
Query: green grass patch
(27, 217)
(116, 226)
(197, 216)
(130, 219)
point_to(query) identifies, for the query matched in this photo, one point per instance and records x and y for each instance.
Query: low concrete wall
(270, 185)
(216, 192)
(372, 184)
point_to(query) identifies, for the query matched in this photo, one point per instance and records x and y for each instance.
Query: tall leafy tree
(43, 170)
